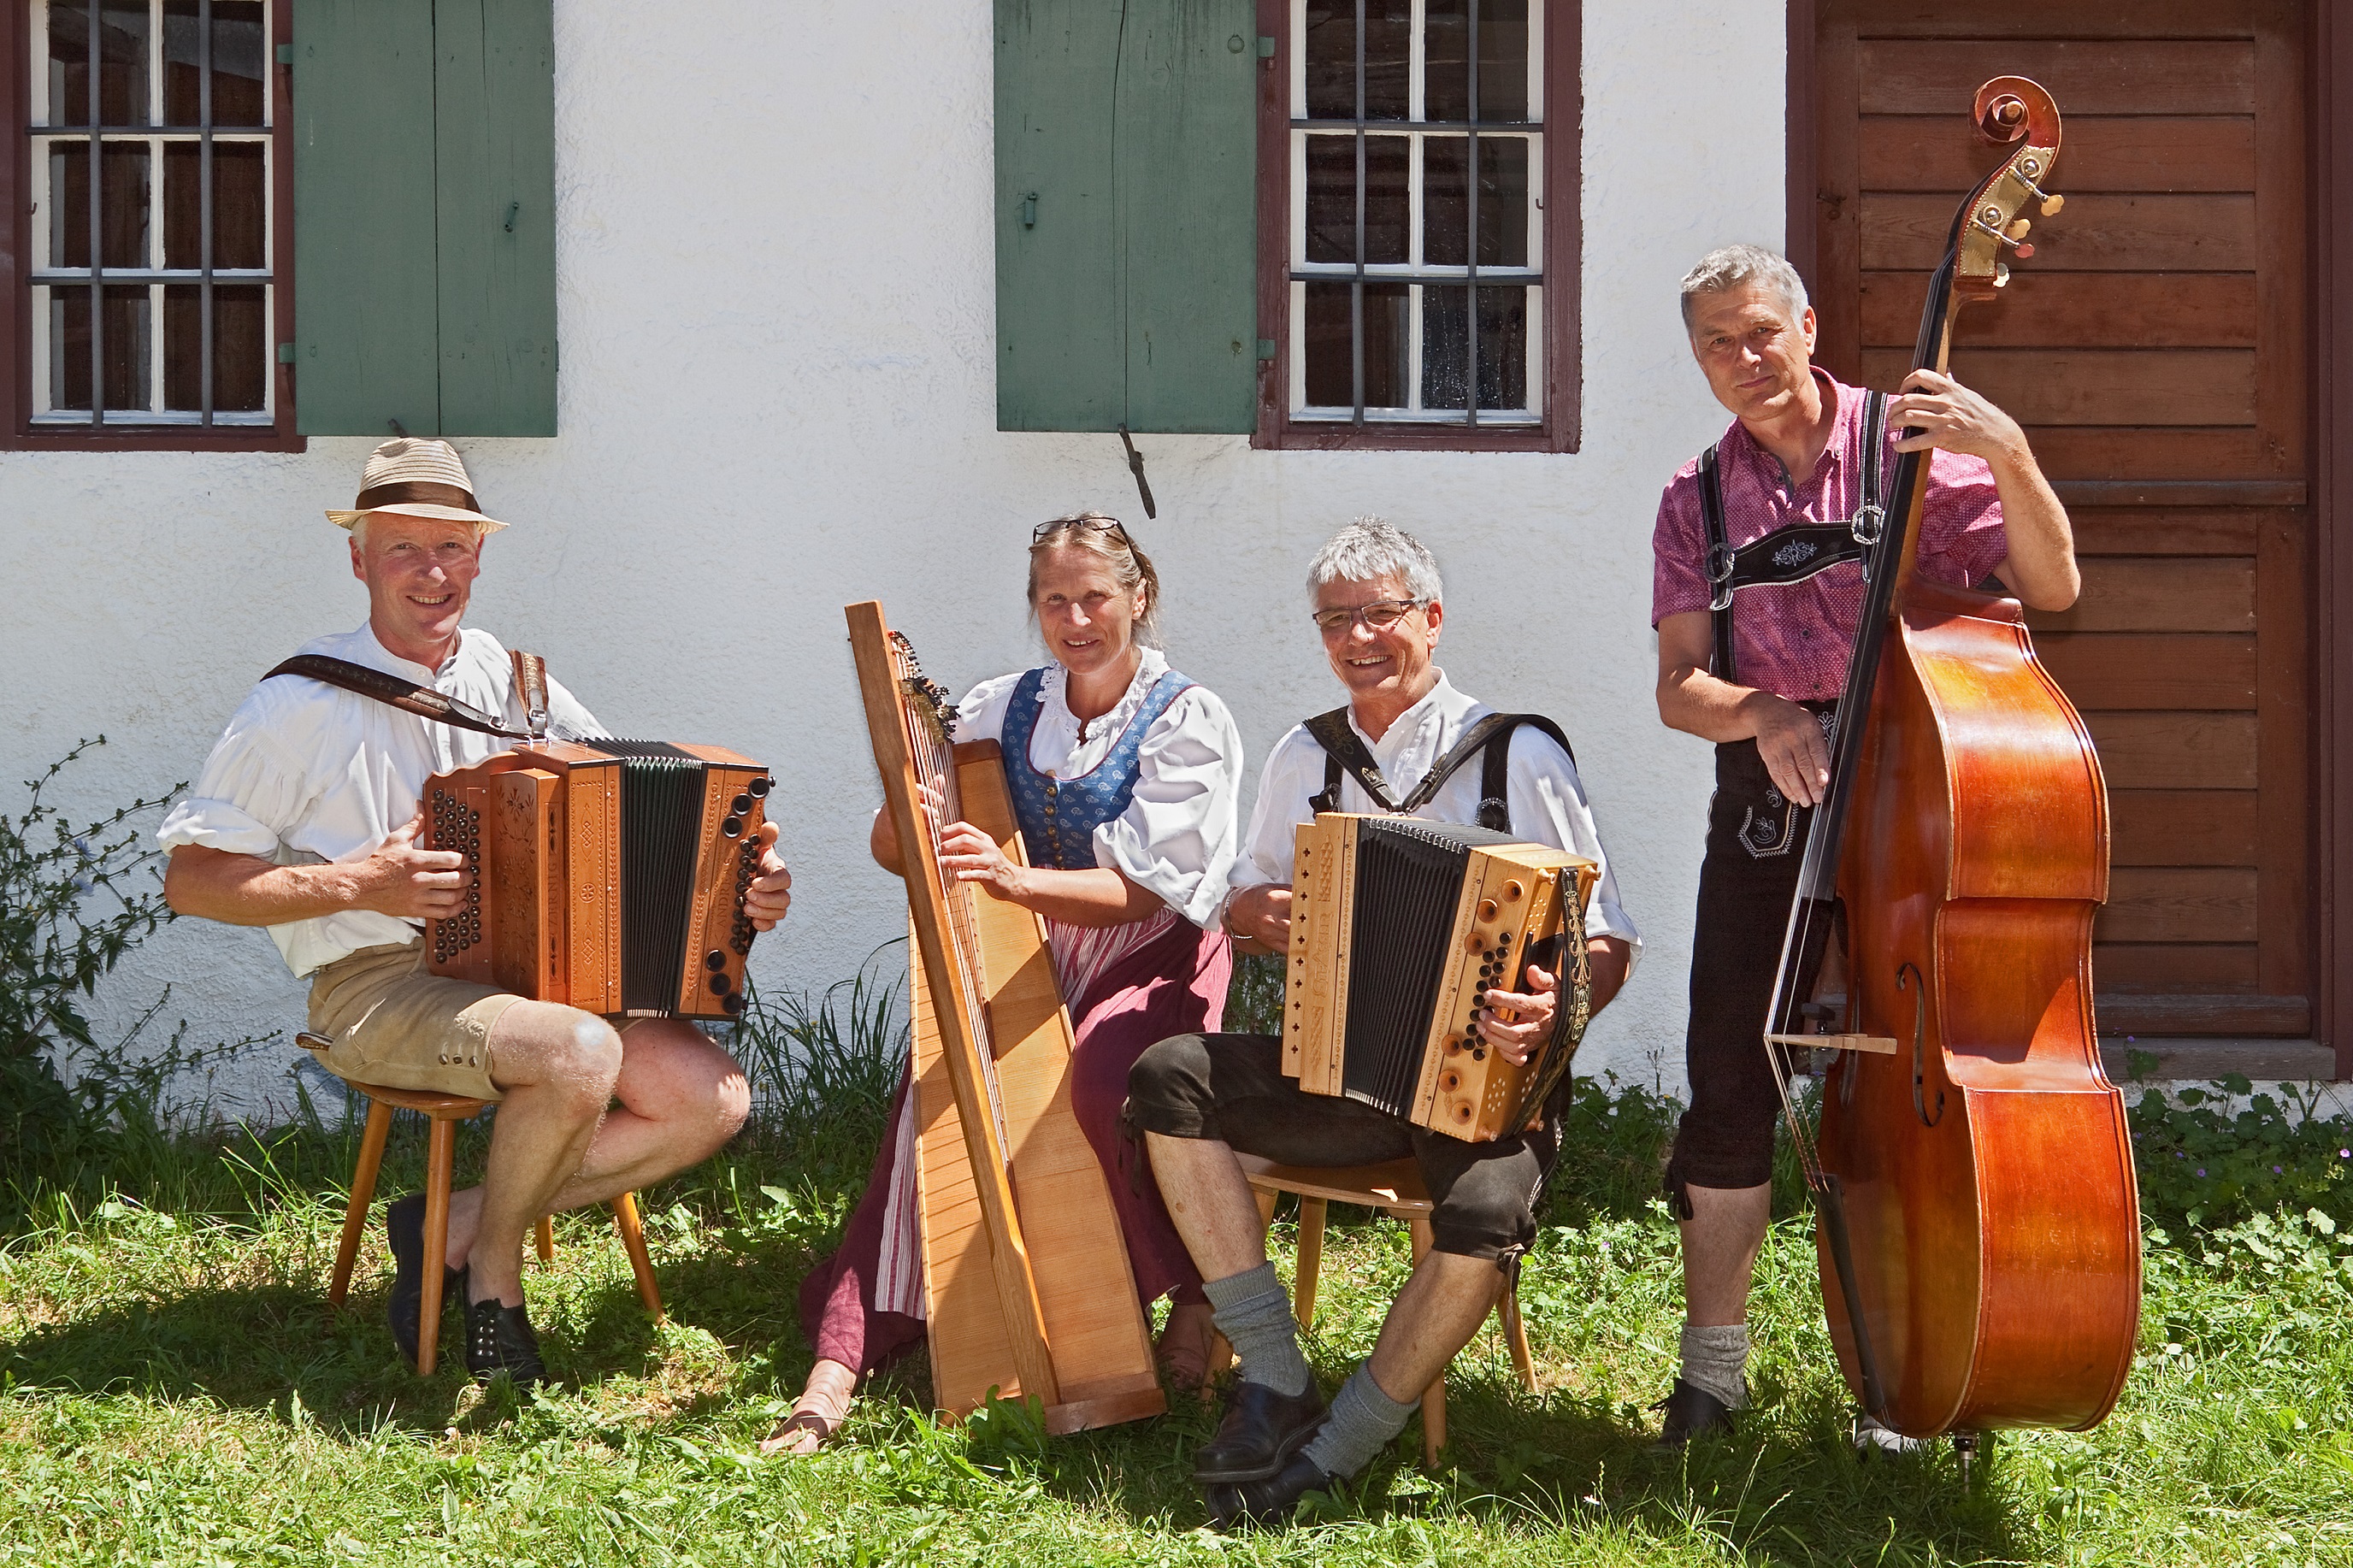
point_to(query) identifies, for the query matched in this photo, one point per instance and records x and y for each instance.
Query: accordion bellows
(1398, 926)
(608, 875)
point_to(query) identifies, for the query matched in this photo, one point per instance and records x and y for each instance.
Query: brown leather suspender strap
(530, 685)
(409, 697)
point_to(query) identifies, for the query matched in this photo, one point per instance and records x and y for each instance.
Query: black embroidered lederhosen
(1755, 842)
(1230, 1087)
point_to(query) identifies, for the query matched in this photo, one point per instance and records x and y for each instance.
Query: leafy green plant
(2210, 1166)
(73, 901)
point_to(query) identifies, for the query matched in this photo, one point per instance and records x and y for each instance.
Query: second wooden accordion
(1398, 925)
(606, 874)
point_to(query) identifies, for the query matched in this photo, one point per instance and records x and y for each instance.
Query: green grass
(172, 1390)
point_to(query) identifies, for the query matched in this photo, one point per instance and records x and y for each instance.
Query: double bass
(1979, 1231)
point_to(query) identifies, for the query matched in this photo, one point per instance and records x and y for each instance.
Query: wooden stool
(1396, 1190)
(444, 1111)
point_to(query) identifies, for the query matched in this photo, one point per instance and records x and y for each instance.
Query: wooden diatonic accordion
(1398, 926)
(606, 874)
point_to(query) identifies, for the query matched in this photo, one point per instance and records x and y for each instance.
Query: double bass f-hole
(1908, 979)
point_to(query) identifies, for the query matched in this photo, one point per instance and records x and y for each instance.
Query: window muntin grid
(1396, 250)
(172, 132)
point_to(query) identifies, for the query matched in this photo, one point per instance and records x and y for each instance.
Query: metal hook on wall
(1135, 466)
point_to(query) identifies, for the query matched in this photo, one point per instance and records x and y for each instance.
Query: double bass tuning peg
(2052, 205)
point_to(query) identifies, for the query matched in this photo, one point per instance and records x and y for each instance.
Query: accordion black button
(732, 1003)
(733, 828)
(758, 788)
(720, 984)
(715, 959)
(741, 805)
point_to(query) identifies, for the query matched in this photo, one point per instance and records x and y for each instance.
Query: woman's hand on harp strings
(968, 854)
(771, 892)
(1515, 1022)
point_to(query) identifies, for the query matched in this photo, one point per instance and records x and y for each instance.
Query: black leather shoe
(1691, 1412)
(1261, 1429)
(499, 1340)
(1268, 1502)
(403, 1225)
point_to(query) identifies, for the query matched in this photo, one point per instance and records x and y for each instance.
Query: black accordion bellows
(1409, 880)
(661, 806)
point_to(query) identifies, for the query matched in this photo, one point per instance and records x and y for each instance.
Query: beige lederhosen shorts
(393, 1022)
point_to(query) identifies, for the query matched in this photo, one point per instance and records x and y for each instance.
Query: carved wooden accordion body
(606, 874)
(1398, 925)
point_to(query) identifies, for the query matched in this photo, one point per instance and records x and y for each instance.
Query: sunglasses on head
(1109, 526)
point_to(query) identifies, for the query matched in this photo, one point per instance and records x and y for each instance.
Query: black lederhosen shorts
(1230, 1087)
(1756, 838)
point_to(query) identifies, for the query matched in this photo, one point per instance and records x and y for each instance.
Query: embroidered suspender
(1345, 753)
(1791, 554)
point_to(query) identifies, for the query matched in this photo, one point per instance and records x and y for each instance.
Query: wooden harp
(1027, 1288)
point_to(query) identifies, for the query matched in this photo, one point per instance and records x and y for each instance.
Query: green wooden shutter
(1126, 215)
(424, 217)
(365, 294)
(494, 162)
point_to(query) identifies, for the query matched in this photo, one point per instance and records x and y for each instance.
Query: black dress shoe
(1691, 1412)
(403, 1225)
(1261, 1429)
(499, 1340)
(1267, 1501)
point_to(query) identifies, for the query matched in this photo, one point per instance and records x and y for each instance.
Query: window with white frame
(152, 227)
(1417, 269)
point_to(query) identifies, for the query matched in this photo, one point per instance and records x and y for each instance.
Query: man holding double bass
(1757, 592)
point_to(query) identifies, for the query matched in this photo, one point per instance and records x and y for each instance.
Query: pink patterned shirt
(1793, 641)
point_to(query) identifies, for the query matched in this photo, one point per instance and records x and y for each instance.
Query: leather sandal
(1184, 1361)
(807, 1429)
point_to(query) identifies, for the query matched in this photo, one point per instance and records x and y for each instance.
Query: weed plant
(172, 1389)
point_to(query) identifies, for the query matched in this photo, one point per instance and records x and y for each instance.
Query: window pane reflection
(123, 98)
(1331, 198)
(1503, 84)
(68, 204)
(122, 176)
(1389, 199)
(241, 364)
(1502, 348)
(238, 81)
(69, 62)
(1388, 336)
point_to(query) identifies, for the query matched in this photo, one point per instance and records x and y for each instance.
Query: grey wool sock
(1717, 1359)
(1362, 1421)
(1251, 1310)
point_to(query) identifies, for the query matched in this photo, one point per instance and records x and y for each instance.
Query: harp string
(933, 754)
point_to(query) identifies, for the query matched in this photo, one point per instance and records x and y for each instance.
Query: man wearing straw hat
(305, 821)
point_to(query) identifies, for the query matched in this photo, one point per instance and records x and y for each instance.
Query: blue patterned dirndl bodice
(1058, 817)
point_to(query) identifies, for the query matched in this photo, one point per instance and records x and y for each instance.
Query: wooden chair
(1394, 1189)
(444, 1111)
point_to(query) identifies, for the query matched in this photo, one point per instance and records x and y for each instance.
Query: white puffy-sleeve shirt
(1179, 834)
(308, 774)
(1545, 796)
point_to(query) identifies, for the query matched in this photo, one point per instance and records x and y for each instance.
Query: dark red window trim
(1563, 260)
(18, 433)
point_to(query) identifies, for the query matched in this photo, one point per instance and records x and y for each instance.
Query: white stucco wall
(776, 329)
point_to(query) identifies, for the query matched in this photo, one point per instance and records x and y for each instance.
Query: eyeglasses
(1379, 615)
(1109, 526)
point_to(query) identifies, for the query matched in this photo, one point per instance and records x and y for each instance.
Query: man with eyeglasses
(1197, 1099)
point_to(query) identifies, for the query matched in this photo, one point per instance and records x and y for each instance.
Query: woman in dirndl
(1124, 776)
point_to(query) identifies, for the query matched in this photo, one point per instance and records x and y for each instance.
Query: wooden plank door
(2154, 350)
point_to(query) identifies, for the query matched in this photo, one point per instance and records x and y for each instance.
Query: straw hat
(420, 477)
